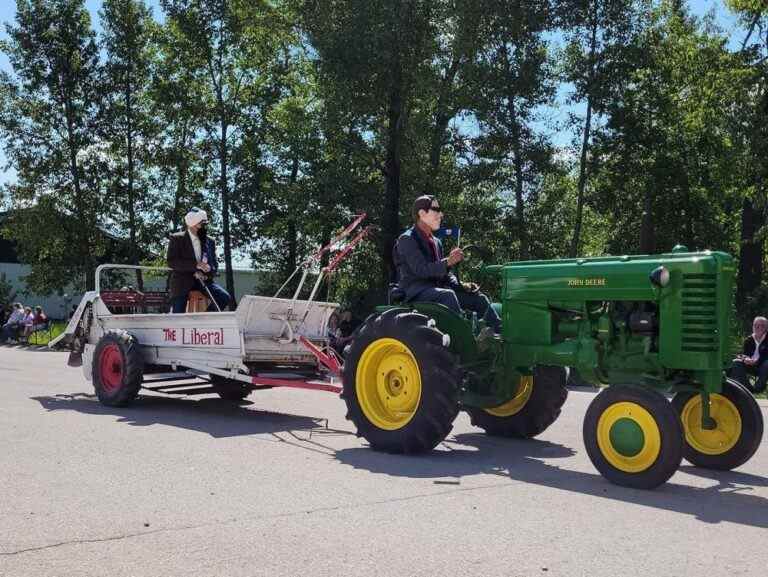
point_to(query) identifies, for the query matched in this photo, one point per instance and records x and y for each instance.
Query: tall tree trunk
(84, 245)
(647, 240)
(224, 189)
(443, 116)
(576, 240)
(750, 254)
(134, 251)
(292, 233)
(391, 217)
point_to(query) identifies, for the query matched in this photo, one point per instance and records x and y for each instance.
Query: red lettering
(196, 337)
(169, 334)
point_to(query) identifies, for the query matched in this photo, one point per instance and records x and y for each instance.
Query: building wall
(58, 306)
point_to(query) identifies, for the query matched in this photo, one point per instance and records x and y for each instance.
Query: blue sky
(699, 7)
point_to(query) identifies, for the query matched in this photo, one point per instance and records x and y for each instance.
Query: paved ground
(281, 486)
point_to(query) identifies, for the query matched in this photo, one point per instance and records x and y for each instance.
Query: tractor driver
(192, 260)
(424, 274)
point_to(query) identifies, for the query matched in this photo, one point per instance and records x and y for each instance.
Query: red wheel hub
(111, 368)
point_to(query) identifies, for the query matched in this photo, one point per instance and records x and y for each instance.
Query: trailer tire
(534, 408)
(229, 389)
(401, 383)
(738, 433)
(633, 436)
(118, 369)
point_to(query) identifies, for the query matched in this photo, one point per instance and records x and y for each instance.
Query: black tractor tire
(393, 354)
(118, 369)
(738, 433)
(625, 457)
(531, 415)
(229, 389)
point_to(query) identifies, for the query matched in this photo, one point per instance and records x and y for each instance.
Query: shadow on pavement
(213, 416)
(526, 462)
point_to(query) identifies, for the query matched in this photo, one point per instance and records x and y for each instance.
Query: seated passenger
(192, 258)
(424, 273)
(754, 358)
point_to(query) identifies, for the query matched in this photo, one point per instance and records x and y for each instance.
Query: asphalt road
(282, 486)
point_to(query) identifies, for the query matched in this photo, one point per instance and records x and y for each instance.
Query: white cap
(195, 216)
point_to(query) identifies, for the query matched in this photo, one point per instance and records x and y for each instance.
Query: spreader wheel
(738, 431)
(229, 389)
(401, 383)
(633, 436)
(118, 369)
(535, 406)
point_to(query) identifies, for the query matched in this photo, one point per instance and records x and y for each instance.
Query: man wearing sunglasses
(424, 273)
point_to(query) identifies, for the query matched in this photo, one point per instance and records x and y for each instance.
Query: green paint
(627, 437)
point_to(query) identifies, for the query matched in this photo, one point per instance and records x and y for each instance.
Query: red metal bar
(295, 384)
(346, 250)
(343, 234)
(330, 362)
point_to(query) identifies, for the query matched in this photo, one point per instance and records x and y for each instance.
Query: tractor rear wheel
(633, 436)
(535, 406)
(401, 383)
(118, 369)
(229, 389)
(737, 435)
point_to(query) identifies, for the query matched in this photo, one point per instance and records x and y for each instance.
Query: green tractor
(648, 326)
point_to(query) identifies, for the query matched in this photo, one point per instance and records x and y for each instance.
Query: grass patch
(43, 338)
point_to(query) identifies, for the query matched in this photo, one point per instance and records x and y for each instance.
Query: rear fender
(460, 329)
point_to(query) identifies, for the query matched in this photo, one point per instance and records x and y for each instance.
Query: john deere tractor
(647, 326)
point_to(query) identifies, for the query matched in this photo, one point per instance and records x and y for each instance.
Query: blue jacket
(417, 267)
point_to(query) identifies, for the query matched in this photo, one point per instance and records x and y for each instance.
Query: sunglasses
(435, 209)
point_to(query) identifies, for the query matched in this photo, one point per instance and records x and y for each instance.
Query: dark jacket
(417, 267)
(749, 348)
(182, 261)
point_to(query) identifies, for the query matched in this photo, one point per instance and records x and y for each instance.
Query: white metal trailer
(126, 340)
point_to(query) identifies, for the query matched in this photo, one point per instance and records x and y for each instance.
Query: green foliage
(285, 118)
(7, 292)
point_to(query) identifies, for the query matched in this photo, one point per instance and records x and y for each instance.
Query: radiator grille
(699, 332)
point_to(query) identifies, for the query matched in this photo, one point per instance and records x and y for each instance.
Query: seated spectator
(29, 321)
(754, 358)
(14, 324)
(39, 320)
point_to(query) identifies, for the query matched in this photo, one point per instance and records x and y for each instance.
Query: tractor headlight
(660, 276)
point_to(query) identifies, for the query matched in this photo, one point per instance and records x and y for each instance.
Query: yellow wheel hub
(628, 437)
(388, 384)
(716, 441)
(516, 403)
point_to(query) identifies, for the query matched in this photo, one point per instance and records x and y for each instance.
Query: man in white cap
(192, 258)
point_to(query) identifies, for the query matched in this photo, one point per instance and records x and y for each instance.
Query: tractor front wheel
(535, 406)
(118, 369)
(738, 430)
(401, 383)
(633, 436)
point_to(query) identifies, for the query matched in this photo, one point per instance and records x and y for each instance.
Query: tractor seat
(396, 294)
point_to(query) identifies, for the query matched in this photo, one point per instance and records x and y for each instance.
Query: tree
(126, 122)
(374, 76)
(594, 58)
(513, 79)
(47, 123)
(234, 43)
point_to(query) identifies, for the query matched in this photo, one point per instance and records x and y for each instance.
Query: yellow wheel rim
(628, 437)
(388, 384)
(516, 403)
(716, 441)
